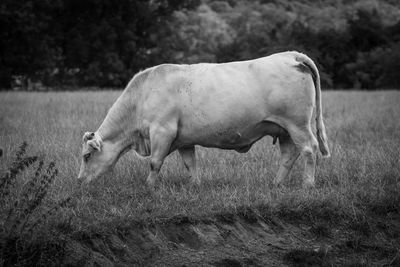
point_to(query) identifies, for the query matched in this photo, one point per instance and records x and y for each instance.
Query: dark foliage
(80, 42)
(104, 43)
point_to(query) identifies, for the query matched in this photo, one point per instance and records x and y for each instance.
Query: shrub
(25, 208)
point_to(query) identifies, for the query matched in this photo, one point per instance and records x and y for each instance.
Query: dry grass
(363, 173)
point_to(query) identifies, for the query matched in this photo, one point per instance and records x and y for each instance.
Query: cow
(229, 106)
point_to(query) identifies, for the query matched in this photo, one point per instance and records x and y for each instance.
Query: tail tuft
(323, 144)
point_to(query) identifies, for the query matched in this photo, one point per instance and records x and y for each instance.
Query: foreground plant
(24, 206)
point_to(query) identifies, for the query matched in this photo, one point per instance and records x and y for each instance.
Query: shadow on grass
(302, 257)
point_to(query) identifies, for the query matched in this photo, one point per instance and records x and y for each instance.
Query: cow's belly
(237, 137)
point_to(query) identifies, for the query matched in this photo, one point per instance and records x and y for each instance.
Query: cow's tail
(321, 132)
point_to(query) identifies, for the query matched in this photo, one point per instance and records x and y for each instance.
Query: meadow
(362, 175)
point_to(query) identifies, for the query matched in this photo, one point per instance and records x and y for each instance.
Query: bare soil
(245, 239)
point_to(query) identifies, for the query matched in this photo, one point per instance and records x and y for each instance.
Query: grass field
(363, 174)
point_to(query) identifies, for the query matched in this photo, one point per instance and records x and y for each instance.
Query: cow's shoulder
(165, 70)
(138, 80)
(150, 75)
(167, 67)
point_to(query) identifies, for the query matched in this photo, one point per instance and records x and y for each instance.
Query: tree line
(103, 43)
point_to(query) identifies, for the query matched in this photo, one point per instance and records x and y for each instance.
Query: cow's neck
(119, 124)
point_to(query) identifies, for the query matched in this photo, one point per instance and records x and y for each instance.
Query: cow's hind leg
(189, 160)
(289, 155)
(160, 139)
(306, 142)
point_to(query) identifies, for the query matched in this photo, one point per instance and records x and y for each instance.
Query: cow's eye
(86, 157)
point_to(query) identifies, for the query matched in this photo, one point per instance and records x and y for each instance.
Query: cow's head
(97, 157)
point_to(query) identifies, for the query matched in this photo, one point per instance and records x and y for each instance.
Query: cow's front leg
(188, 155)
(160, 139)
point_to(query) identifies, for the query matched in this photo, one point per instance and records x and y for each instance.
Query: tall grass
(363, 172)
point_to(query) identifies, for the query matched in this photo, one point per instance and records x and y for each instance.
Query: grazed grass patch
(364, 166)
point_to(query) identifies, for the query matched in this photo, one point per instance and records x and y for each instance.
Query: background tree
(104, 43)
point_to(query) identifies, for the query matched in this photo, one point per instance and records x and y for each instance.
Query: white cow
(231, 106)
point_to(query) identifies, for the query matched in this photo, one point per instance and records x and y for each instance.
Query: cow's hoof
(150, 184)
(308, 185)
(195, 182)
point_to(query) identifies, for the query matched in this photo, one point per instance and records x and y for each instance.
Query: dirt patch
(238, 243)
(248, 237)
(232, 240)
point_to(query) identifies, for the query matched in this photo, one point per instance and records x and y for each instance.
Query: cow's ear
(94, 144)
(88, 136)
